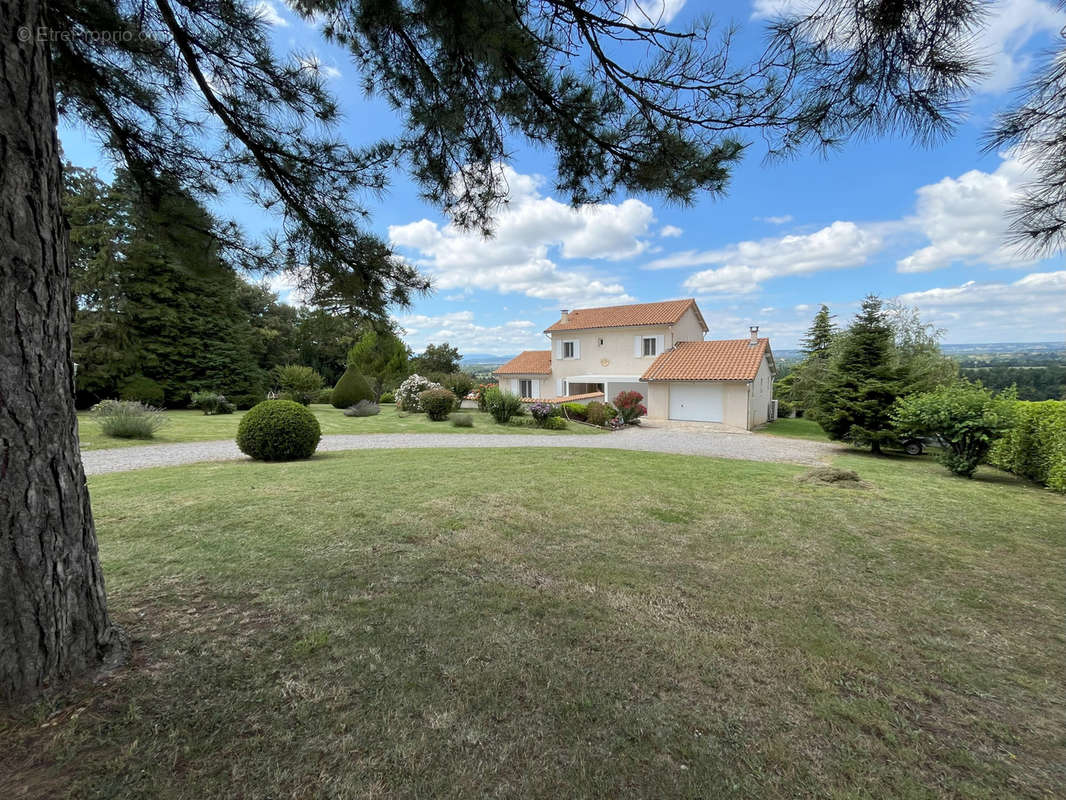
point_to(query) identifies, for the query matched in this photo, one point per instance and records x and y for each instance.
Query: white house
(656, 349)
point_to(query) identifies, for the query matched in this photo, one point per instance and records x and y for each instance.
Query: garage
(696, 402)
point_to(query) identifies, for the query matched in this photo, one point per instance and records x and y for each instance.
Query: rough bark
(53, 612)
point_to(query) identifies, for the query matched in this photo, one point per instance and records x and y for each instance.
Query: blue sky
(884, 216)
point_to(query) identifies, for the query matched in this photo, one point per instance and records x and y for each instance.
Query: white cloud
(670, 231)
(1003, 38)
(784, 218)
(965, 220)
(1029, 309)
(269, 13)
(746, 264)
(460, 330)
(653, 12)
(518, 257)
(314, 63)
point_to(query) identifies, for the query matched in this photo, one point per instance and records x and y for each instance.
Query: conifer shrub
(278, 430)
(350, 389)
(140, 389)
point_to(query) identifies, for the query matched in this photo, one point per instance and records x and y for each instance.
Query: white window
(649, 345)
(569, 349)
(525, 388)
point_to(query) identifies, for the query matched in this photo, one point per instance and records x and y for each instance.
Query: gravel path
(719, 445)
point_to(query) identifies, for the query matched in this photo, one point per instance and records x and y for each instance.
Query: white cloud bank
(459, 329)
(518, 257)
(269, 13)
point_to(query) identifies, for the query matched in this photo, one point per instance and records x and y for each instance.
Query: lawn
(797, 428)
(194, 426)
(566, 623)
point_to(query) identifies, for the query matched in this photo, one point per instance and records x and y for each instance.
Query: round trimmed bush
(437, 403)
(278, 430)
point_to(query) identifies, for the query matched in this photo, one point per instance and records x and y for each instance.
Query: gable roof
(721, 360)
(664, 313)
(528, 362)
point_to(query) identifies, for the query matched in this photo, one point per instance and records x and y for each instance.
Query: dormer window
(649, 346)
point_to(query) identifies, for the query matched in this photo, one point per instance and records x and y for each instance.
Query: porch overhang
(603, 379)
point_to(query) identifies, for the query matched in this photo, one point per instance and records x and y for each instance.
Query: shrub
(127, 419)
(388, 397)
(350, 389)
(554, 424)
(1035, 447)
(410, 389)
(598, 413)
(245, 401)
(325, 396)
(578, 411)
(460, 384)
(278, 430)
(212, 403)
(502, 405)
(966, 415)
(629, 406)
(364, 408)
(480, 394)
(140, 389)
(300, 384)
(463, 421)
(437, 403)
(542, 412)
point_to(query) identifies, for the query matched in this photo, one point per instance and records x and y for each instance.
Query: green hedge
(1036, 446)
(278, 430)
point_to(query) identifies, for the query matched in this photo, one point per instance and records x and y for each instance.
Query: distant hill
(485, 358)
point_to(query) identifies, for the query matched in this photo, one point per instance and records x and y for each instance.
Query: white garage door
(699, 402)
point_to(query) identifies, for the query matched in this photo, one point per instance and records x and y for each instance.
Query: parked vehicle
(916, 445)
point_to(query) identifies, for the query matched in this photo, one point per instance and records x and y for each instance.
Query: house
(656, 349)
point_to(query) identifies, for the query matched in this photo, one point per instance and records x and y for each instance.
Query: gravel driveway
(680, 442)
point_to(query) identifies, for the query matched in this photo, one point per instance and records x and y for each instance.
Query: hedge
(1036, 446)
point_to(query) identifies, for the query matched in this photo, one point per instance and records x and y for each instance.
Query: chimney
(564, 315)
(754, 335)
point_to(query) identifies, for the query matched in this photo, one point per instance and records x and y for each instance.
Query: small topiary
(350, 389)
(437, 403)
(278, 430)
(140, 389)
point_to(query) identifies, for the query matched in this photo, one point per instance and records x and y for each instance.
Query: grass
(566, 624)
(798, 428)
(195, 426)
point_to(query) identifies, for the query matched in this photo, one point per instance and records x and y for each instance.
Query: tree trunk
(53, 611)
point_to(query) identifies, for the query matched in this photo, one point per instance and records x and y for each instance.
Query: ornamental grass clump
(502, 405)
(279, 430)
(463, 421)
(364, 408)
(127, 419)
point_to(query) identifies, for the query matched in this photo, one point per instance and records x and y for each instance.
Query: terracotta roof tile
(665, 313)
(721, 360)
(528, 362)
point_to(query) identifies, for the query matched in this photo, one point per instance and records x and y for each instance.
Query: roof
(721, 360)
(665, 313)
(528, 362)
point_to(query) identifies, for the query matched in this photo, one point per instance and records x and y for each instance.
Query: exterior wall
(762, 390)
(735, 407)
(509, 383)
(617, 348)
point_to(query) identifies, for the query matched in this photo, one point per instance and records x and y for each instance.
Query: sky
(924, 225)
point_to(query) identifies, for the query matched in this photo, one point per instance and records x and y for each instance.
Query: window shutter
(536, 388)
(638, 346)
(560, 387)
(559, 349)
(577, 348)
(660, 344)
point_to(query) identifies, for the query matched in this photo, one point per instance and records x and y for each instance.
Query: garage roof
(528, 362)
(721, 360)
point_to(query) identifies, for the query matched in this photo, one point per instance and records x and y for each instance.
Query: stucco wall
(735, 412)
(617, 349)
(762, 390)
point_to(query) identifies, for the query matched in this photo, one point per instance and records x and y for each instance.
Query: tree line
(161, 314)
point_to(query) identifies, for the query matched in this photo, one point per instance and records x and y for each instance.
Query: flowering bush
(542, 412)
(410, 389)
(629, 407)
